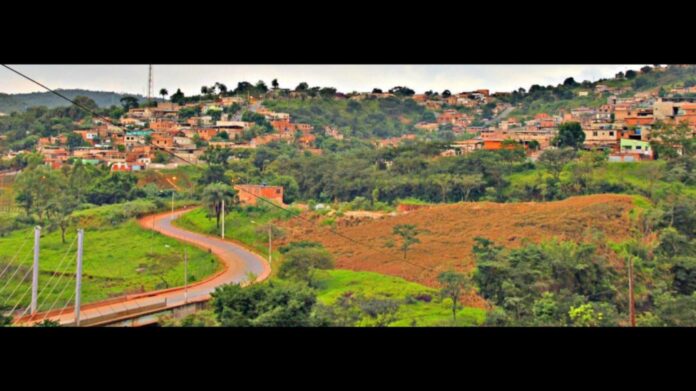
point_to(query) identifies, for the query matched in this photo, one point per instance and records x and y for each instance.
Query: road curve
(236, 260)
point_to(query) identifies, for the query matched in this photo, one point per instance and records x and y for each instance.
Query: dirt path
(237, 263)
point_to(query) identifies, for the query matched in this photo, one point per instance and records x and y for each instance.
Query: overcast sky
(346, 78)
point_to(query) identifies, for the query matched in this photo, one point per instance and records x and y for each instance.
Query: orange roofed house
(249, 194)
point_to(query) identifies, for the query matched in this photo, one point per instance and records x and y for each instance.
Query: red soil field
(449, 232)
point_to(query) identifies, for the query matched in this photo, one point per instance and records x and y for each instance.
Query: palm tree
(164, 93)
(214, 194)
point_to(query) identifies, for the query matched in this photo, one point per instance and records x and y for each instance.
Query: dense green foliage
(359, 118)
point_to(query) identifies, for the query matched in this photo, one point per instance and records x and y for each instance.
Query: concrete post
(78, 281)
(35, 271)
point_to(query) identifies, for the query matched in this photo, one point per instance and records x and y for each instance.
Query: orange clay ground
(450, 231)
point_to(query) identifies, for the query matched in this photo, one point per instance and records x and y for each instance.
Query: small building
(249, 194)
(641, 148)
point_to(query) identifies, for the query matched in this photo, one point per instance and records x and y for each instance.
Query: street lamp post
(173, 180)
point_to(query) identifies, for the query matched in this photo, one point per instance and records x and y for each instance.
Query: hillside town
(167, 134)
(566, 205)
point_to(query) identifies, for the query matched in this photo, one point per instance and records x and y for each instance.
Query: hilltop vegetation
(21, 102)
(363, 119)
(565, 96)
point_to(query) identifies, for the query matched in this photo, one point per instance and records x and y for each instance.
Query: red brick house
(249, 194)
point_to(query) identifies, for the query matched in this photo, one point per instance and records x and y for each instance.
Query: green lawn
(118, 259)
(334, 283)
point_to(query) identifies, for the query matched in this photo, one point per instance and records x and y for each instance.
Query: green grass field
(633, 177)
(118, 259)
(334, 283)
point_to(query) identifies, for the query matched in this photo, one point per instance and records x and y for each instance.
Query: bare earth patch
(450, 231)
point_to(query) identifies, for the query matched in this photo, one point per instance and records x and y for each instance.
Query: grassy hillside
(118, 259)
(420, 305)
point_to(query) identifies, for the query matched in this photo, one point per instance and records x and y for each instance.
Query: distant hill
(20, 102)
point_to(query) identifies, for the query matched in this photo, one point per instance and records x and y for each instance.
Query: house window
(611, 134)
(594, 134)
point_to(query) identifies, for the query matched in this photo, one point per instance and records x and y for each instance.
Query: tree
(631, 74)
(302, 87)
(467, 183)
(554, 160)
(446, 94)
(408, 234)
(275, 84)
(214, 195)
(570, 134)
(75, 141)
(261, 87)
(36, 189)
(218, 156)
(213, 174)
(273, 304)
(129, 102)
(221, 87)
(163, 92)
(300, 264)
(444, 182)
(570, 82)
(205, 318)
(376, 90)
(402, 91)
(60, 210)
(672, 141)
(453, 285)
(178, 96)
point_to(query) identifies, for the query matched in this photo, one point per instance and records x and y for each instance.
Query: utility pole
(149, 83)
(631, 298)
(35, 270)
(78, 281)
(223, 218)
(173, 189)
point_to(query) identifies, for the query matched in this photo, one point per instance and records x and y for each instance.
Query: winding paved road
(237, 263)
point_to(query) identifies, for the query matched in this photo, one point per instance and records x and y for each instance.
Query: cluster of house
(146, 130)
(622, 125)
